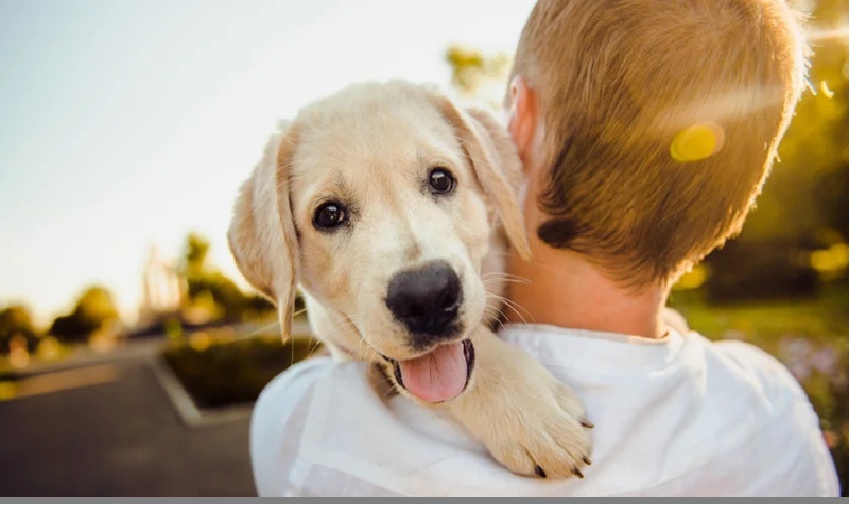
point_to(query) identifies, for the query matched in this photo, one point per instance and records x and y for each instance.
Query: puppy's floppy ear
(495, 163)
(262, 235)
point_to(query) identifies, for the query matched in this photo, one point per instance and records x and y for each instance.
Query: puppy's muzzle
(426, 301)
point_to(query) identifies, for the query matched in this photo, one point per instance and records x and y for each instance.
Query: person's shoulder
(296, 379)
(759, 370)
(278, 400)
(294, 386)
(280, 417)
(758, 389)
(744, 374)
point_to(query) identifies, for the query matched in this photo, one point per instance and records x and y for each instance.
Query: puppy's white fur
(371, 147)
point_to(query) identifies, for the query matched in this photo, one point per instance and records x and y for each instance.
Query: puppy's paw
(551, 438)
(530, 422)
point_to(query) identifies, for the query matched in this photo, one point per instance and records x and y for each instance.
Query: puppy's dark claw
(586, 423)
(539, 471)
(578, 473)
(587, 461)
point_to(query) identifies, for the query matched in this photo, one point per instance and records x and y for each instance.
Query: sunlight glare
(697, 142)
(825, 34)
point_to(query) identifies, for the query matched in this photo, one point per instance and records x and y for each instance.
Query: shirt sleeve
(278, 421)
(795, 458)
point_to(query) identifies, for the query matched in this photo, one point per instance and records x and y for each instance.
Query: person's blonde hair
(660, 121)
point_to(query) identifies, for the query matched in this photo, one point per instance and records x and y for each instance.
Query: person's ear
(522, 118)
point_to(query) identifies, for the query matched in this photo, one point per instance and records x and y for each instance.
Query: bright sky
(127, 123)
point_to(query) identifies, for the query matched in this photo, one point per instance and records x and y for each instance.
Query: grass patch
(821, 319)
(220, 373)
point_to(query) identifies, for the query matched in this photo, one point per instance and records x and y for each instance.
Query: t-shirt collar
(557, 346)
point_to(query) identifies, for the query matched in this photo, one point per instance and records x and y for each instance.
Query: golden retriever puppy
(390, 207)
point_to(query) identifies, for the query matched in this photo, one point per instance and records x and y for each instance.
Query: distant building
(163, 289)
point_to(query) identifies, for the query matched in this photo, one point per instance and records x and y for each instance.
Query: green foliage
(223, 292)
(94, 309)
(806, 195)
(96, 305)
(751, 270)
(259, 307)
(206, 284)
(15, 320)
(474, 74)
(197, 249)
(234, 372)
(212, 290)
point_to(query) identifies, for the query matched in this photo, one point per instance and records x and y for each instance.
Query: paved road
(117, 438)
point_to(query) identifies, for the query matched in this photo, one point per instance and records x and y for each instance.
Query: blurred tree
(205, 283)
(94, 309)
(224, 293)
(16, 320)
(197, 248)
(259, 307)
(806, 195)
(477, 76)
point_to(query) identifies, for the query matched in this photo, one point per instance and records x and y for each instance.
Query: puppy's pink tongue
(437, 376)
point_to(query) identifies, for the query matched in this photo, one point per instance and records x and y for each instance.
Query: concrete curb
(189, 413)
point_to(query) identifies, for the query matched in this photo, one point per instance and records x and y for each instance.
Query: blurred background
(131, 350)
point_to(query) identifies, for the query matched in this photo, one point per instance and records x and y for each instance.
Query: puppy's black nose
(426, 299)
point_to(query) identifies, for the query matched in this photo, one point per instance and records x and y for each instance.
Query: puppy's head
(379, 201)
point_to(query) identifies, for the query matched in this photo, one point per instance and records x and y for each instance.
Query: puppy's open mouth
(439, 375)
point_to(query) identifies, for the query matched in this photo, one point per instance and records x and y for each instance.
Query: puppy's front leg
(529, 421)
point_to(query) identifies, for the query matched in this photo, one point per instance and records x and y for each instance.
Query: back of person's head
(660, 122)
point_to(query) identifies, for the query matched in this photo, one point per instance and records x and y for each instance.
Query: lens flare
(824, 88)
(697, 142)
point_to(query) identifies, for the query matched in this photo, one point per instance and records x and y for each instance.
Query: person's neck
(562, 288)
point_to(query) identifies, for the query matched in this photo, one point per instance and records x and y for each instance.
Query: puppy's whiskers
(258, 331)
(491, 281)
(364, 350)
(513, 306)
(495, 314)
(504, 276)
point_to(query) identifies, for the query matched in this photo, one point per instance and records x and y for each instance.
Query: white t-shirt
(677, 417)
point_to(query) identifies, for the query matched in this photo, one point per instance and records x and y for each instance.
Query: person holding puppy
(646, 130)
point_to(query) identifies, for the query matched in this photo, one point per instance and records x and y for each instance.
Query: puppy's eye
(330, 215)
(441, 180)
